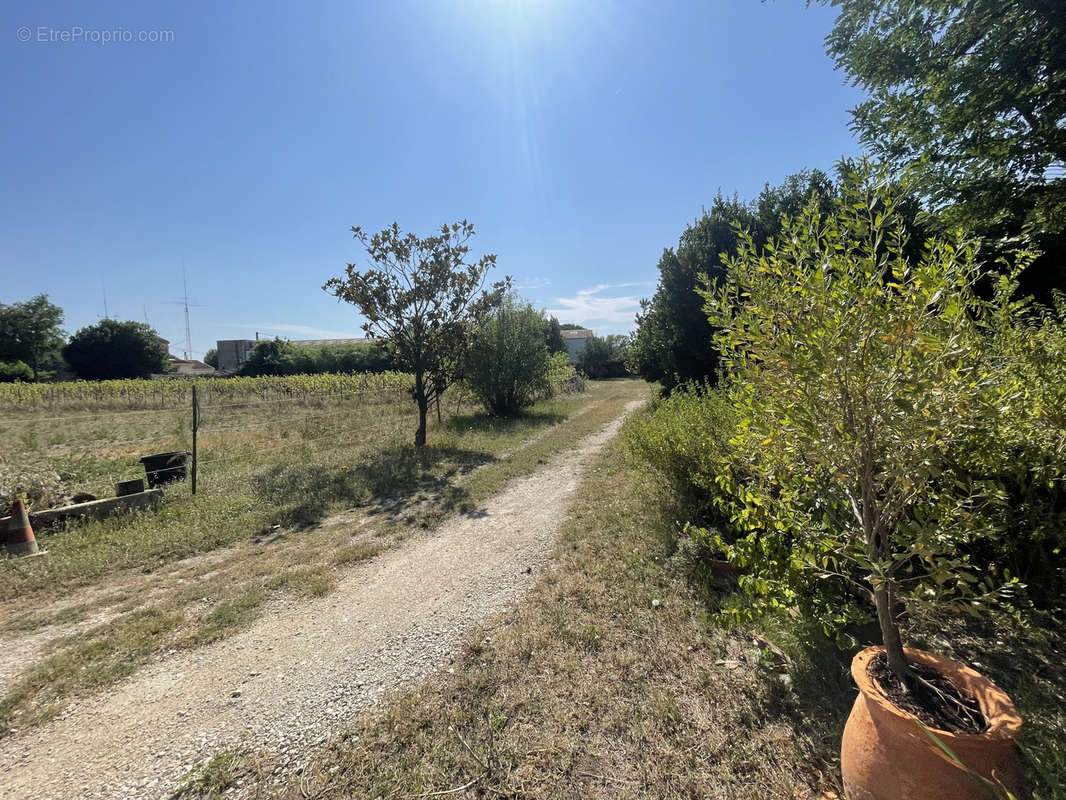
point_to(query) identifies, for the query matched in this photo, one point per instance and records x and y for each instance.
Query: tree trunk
(420, 434)
(884, 594)
(886, 616)
(423, 409)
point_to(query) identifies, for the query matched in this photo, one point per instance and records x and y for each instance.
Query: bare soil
(931, 697)
(306, 667)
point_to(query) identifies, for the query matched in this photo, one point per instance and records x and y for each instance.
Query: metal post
(195, 425)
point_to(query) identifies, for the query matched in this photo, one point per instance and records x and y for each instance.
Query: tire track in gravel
(303, 670)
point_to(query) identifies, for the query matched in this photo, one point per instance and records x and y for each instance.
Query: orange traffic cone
(20, 540)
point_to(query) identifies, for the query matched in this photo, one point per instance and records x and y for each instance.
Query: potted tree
(855, 363)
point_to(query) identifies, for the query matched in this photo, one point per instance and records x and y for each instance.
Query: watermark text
(78, 34)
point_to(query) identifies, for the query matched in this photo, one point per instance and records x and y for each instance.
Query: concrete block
(96, 509)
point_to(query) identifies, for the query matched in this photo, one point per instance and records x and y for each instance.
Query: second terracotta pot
(885, 755)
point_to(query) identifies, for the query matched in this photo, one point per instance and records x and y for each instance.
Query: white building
(576, 341)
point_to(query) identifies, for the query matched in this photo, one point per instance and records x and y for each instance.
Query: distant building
(232, 353)
(325, 342)
(190, 367)
(185, 368)
(576, 341)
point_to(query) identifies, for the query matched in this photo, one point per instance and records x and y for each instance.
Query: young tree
(113, 349)
(424, 296)
(211, 357)
(854, 373)
(30, 332)
(507, 365)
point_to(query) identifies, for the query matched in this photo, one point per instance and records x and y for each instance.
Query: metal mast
(188, 334)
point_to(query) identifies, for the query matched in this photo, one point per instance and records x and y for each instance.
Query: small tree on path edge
(424, 297)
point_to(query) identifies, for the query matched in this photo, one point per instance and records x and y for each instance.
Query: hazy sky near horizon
(579, 137)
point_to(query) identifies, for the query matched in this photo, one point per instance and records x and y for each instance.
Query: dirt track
(301, 671)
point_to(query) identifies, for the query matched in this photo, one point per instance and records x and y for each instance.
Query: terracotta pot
(720, 567)
(885, 755)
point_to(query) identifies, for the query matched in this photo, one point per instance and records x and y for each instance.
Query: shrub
(15, 371)
(278, 357)
(1002, 455)
(507, 365)
(1022, 450)
(684, 439)
(562, 377)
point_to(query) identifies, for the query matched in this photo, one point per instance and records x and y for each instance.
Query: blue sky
(579, 137)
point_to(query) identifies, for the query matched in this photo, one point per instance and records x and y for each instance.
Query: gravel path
(307, 667)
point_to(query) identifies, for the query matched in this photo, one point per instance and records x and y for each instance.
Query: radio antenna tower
(184, 303)
(188, 334)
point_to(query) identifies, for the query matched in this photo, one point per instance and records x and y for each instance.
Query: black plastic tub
(164, 468)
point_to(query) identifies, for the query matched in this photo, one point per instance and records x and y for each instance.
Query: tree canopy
(30, 333)
(604, 358)
(424, 297)
(113, 349)
(673, 340)
(553, 336)
(970, 98)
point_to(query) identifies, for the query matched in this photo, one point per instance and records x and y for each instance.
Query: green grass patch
(210, 780)
(354, 553)
(32, 620)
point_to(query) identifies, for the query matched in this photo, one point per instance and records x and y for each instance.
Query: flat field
(291, 490)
